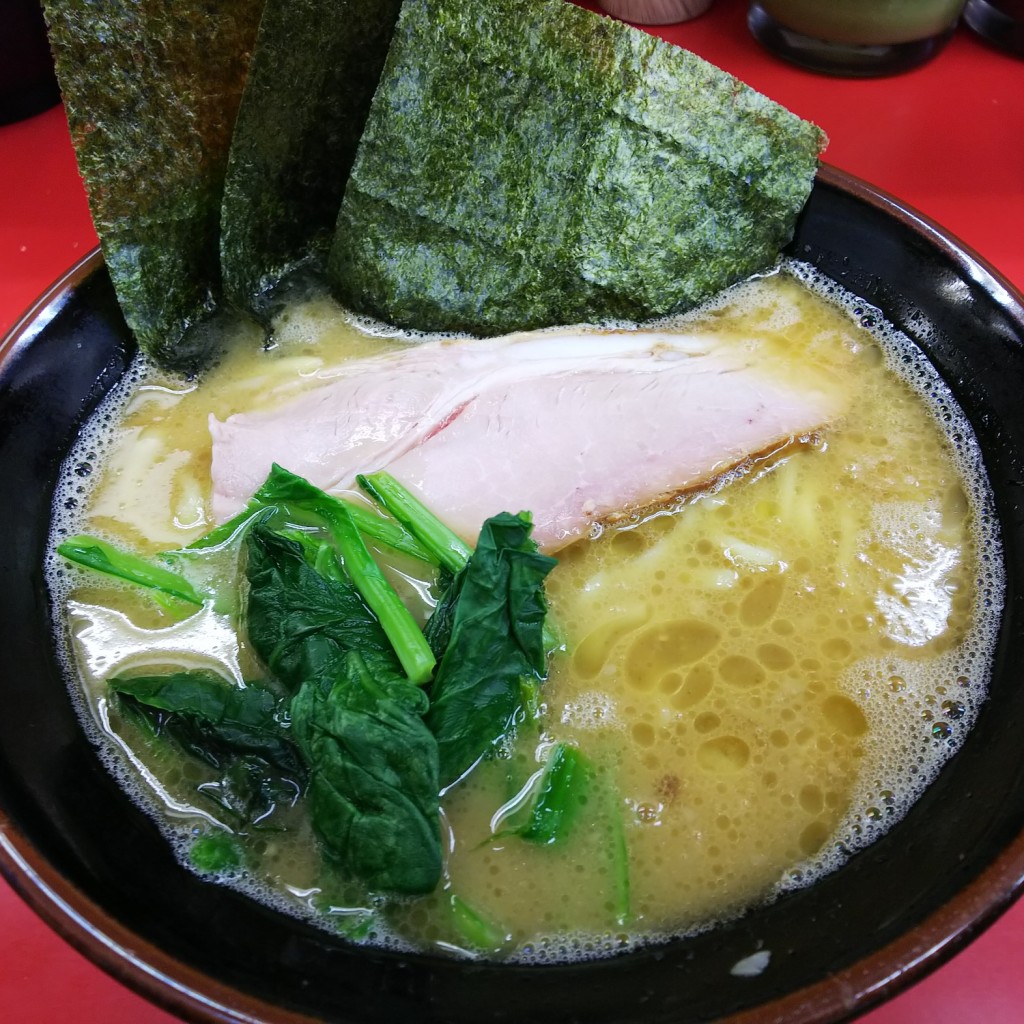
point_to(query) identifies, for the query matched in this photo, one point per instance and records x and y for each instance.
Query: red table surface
(947, 138)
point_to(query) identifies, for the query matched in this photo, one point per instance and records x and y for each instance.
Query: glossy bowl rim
(195, 996)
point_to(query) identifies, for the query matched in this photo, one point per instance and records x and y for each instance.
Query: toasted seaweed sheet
(312, 76)
(527, 162)
(151, 90)
(523, 162)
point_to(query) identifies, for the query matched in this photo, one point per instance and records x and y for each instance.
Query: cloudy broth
(762, 676)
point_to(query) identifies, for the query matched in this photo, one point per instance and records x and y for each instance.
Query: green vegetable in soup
(342, 717)
(237, 730)
(446, 548)
(618, 852)
(528, 163)
(477, 930)
(215, 853)
(401, 629)
(493, 614)
(291, 496)
(562, 794)
(300, 623)
(228, 718)
(298, 495)
(97, 554)
(373, 790)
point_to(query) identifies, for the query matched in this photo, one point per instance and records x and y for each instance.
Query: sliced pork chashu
(575, 426)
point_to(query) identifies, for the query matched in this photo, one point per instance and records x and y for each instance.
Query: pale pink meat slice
(356, 423)
(574, 427)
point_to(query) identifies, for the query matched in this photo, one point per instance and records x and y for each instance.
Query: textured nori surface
(151, 91)
(527, 162)
(310, 83)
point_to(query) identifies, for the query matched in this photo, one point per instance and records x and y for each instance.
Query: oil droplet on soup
(763, 677)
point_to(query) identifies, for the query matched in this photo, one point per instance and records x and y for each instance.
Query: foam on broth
(765, 675)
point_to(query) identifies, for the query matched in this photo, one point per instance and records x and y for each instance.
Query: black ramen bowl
(98, 870)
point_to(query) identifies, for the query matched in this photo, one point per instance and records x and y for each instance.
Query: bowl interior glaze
(98, 870)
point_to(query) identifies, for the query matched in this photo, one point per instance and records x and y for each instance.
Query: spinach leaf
(241, 732)
(249, 793)
(296, 495)
(223, 719)
(438, 628)
(477, 930)
(401, 629)
(494, 619)
(302, 624)
(563, 791)
(373, 788)
(97, 554)
(214, 853)
(284, 495)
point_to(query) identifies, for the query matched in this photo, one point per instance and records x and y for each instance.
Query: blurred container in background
(654, 12)
(1000, 22)
(857, 38)
(27, 81)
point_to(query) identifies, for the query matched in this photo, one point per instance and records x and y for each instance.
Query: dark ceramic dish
(98, 870)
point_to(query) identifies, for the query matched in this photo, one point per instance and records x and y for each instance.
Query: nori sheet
(527, 162)
(151, 90)
(312, 76)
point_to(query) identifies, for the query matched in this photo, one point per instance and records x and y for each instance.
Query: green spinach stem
(446, 548)
(97, 554)
(396, 620)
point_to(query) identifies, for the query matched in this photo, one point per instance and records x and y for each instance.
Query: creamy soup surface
(762, 676)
